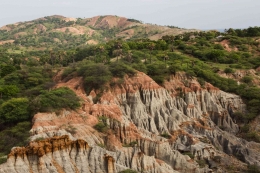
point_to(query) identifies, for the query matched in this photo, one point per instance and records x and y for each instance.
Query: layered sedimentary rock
(151, 128)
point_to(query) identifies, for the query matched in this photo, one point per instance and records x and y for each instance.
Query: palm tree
(52, 57)
(129, 56)
(118, 45)
(60, 57)
(165, 57)
(118, 53)
(100, 49)
(151, 48)
(171, 47)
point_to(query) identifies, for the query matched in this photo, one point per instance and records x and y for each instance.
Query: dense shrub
(140, 67)
(166, 135)
(120, 69)
(8, 91)
(228, 70)
(14, 110)
(14, 136)
(102, 125)
(253, 169)
(6, 69)
(95, 76)
(247, 79)
(188, 153)
(131, 144)
(57, 99)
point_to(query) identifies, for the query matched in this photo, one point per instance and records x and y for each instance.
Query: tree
(95, 76)
(228, 70)
(55, 100)
(215, 54)
(118, 53)
(8, 90)
(15, 110)
(129, 56)
(171, 47)
(100, 50)
(52, 57)
(151, 47)
(165, 57)
(7, 69)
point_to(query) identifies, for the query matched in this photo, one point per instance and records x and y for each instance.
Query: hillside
(59, 31)
(182, 103)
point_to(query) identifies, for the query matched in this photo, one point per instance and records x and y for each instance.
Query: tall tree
(165, 57)
(129, 56)
(151, 47)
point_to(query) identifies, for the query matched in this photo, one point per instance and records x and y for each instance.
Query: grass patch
(131, 144)
(102, 125)
(166, 135)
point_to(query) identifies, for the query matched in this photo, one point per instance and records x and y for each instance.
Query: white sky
(199, 14)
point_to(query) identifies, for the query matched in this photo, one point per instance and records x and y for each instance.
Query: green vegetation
(134, 20)
(27, 70)
(102, 125)
(14, 110)
(95, 75)
(166, 135)
(253, 169)
(131, 144)
(71, 129)
(202, 163)
(188, 154)
(16, 135)
(57, 99)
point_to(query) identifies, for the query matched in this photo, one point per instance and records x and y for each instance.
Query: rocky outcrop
(178, 127)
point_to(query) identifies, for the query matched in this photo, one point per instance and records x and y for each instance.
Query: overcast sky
(199, 14)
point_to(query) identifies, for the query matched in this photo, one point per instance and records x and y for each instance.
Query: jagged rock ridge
(140, 113)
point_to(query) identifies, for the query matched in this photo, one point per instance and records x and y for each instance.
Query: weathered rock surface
(180, 127)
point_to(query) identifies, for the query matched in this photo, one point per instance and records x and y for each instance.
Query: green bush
(253, 136)
(189, 154)
(8, 90)
(67, 72)
(57, 99)
(120, 70)
(166, 135)
(131, 144)
(140, 67)
(14, 136)
(201, 82)
(3, 159)
(15, 110)
(247, 79)
(95, 76)
(228, 70)
(202, 163)
(102, 125)
(245, 128)
(218, 46)
(7, 69)
(253, 169)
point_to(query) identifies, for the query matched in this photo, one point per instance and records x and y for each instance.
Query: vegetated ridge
(185, 103)
(59, 31)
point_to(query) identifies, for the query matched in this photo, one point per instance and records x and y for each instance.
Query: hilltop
(180, 103)
(57, 31)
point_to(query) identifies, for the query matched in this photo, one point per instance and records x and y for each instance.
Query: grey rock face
(169, 132)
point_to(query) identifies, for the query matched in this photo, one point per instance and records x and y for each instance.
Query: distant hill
(70, 32)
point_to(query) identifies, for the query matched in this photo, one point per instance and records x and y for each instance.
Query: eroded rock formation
(178, 127)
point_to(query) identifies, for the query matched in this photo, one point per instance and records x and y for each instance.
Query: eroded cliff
(178, 127)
